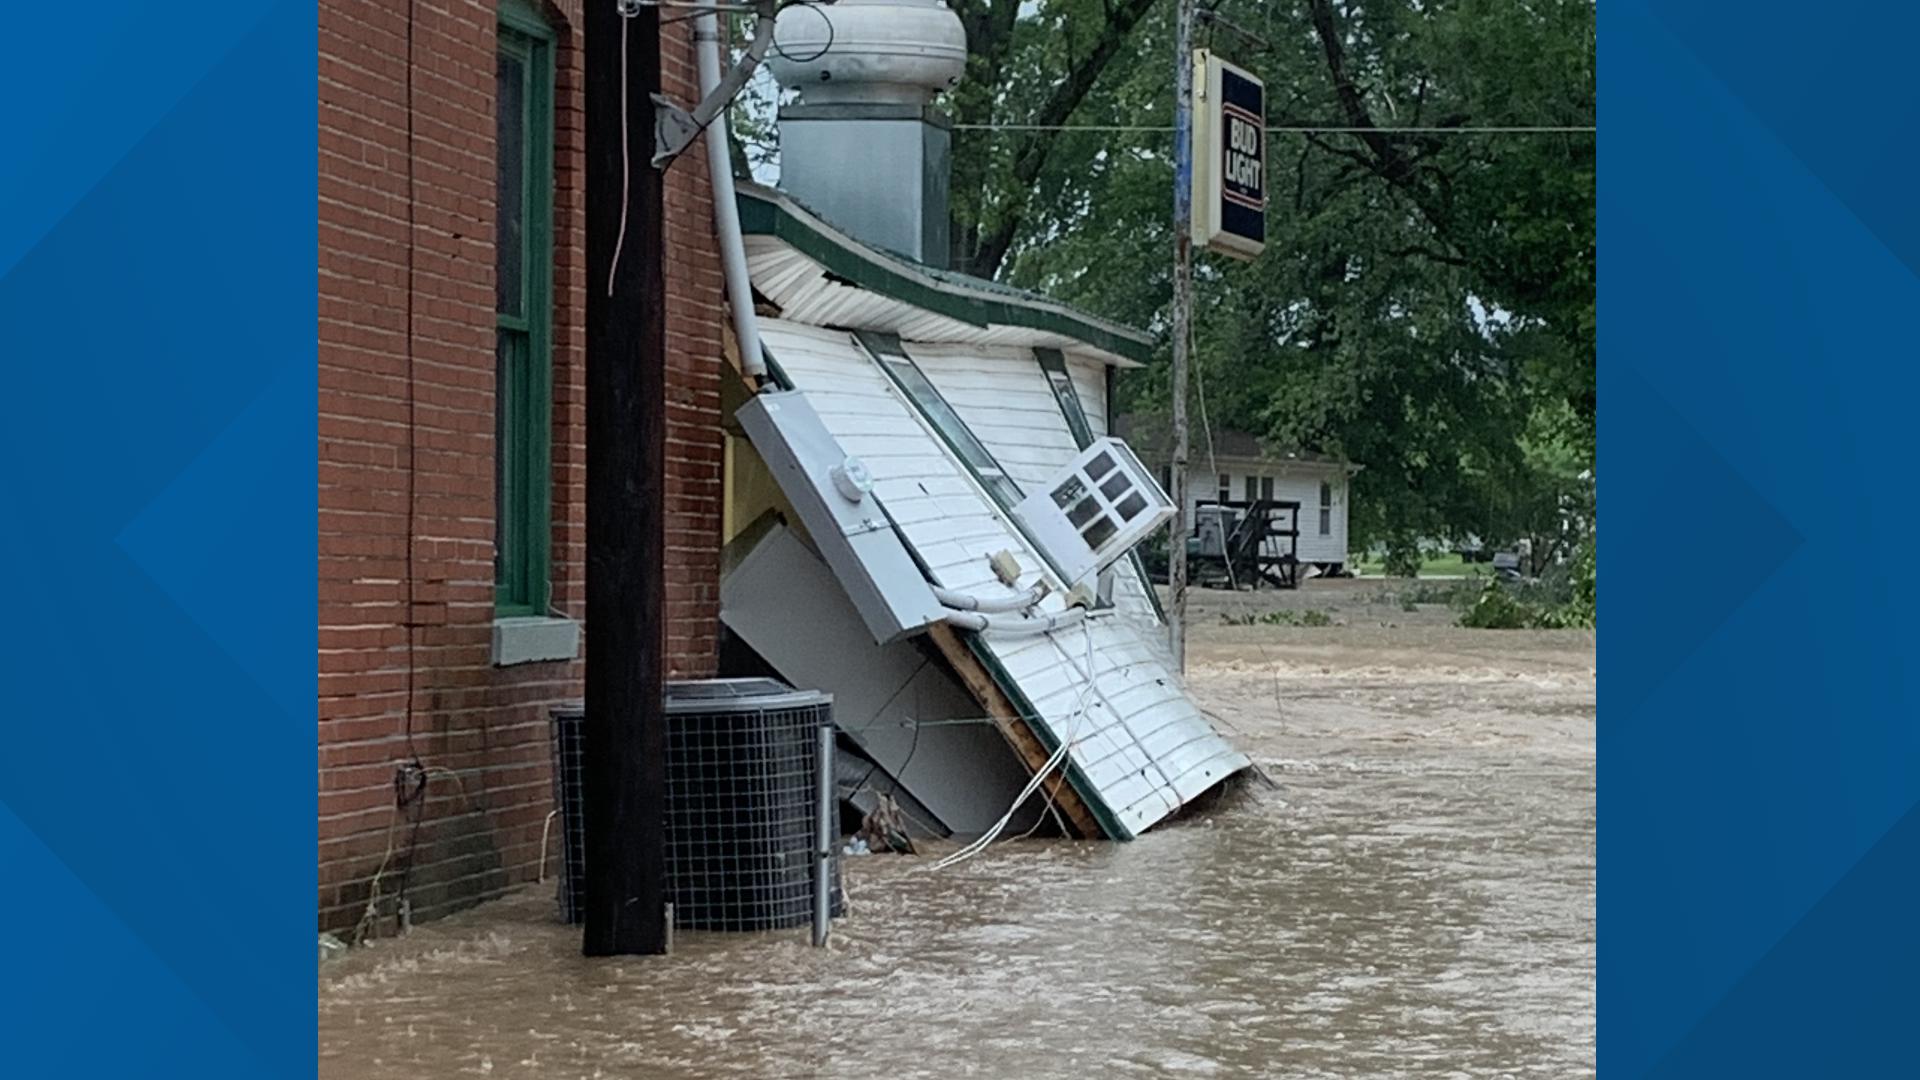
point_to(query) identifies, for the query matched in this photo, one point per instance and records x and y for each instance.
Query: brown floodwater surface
(1415, 899)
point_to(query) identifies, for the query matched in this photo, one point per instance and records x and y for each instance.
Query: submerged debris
(885, 828)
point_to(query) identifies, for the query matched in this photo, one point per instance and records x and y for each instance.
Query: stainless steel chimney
(864, 147)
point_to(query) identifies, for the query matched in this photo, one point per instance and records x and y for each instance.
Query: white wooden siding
(1143, 746)
(1090, 379)
(1005, 397)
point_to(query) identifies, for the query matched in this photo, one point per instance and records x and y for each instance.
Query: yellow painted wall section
(748, 487)
(750, 490)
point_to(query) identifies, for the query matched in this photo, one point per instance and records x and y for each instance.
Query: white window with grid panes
(1096, 509)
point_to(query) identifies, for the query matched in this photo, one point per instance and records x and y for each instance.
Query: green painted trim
(868, 269)
(523, 17)
(525, 584)
(1054, 362)
(774, 371)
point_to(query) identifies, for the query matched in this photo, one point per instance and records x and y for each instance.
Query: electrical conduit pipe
(963, 602)
(1037, 624)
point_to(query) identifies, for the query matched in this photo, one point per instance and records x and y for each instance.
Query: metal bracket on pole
(675, 128)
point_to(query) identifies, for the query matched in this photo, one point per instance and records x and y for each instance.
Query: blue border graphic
(1759, 742)
(157, 283)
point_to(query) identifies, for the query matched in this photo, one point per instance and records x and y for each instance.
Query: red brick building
(452, 434)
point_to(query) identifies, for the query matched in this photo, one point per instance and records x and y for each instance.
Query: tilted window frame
(891, 357)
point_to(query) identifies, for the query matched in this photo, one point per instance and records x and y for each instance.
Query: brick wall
(406, 450)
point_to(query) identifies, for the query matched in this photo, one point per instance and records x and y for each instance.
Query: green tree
(1425, 302)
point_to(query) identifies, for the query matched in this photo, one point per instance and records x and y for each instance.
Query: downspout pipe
(726, 210)
(965, 602)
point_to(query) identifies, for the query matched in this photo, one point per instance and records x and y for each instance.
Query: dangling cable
(627, 10)
(1040, 775)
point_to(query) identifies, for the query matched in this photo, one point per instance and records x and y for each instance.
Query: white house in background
(1242, 469)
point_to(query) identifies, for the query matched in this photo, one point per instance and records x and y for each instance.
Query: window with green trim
(1054, 363)
(523, 320)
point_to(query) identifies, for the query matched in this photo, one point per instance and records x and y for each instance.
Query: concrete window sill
(531, 639)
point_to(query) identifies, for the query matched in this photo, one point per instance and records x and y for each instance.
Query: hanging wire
(1304, 129)
(824, 47)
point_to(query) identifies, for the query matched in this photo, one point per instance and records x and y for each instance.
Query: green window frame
(523, 339)
(1053, 364)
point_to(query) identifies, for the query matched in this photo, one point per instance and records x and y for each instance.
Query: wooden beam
(1016, 727)
(624, 757)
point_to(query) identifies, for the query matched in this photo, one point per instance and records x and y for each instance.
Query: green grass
(1449, 564)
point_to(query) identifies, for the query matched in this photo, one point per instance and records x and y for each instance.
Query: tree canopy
(1425, 303)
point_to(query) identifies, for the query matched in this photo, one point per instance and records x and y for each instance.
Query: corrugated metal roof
(1139, 747)
(823, 277)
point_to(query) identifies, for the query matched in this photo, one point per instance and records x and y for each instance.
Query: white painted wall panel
(783, 601)
(1006, 399)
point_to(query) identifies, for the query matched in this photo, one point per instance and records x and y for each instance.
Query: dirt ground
(1413, 896)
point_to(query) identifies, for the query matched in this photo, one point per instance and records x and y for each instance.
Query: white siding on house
(1090, 379)
(1139, 741)
(1296, 482)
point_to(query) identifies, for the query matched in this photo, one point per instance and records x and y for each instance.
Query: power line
(1542, 129)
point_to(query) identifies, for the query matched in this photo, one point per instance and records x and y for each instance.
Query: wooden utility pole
(1182, 318)
(625, 746)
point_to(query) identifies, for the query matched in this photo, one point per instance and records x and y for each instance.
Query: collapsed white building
(926, 517)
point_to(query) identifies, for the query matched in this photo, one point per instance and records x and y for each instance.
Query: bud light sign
(1229, 158)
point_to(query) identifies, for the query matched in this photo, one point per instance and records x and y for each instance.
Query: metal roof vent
(897, 51)
(864, 146)
(1093, 512)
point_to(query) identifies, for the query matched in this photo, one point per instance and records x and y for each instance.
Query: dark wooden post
(625, 749)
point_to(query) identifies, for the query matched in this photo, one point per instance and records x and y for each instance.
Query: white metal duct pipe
(965, 602)
(726, 211)
(1039, 624)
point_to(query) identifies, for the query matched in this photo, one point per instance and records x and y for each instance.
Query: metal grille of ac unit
(741, 785)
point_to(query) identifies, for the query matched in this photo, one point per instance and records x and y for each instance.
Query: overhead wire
(627, 13)
(1306, 129)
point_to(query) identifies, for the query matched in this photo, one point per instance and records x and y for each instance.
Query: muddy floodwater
(1416, 898)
